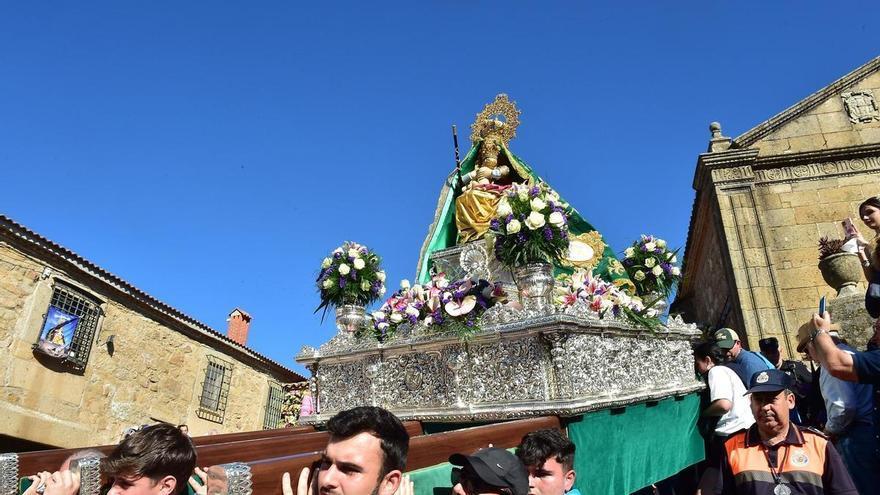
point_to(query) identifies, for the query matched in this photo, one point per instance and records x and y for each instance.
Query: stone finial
(718, 142)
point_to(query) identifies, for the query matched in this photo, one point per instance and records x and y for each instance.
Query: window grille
(273, 407)
(72, 302)
(215, 390)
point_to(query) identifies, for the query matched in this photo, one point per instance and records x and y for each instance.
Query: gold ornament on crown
(584, 250)
(488, 123)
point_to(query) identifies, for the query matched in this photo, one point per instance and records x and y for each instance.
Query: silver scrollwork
(9, 474)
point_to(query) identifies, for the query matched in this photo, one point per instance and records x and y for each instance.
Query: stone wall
(155, 371)
(776, 190)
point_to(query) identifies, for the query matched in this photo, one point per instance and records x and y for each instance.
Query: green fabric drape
(621, 452)
(444, 234)
(618, 451)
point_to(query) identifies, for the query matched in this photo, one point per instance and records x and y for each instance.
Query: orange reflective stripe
(809, 457)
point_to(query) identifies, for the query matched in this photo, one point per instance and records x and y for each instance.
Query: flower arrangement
(455, 305)
(651, 266)
(530, 225)
(603, 298)
(828, 246)
(350, 275)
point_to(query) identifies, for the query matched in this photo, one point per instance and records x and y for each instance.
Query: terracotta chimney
(239, 324)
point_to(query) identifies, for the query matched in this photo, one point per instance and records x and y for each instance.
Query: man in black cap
(809, 410)
(776, 457)
(489, 471)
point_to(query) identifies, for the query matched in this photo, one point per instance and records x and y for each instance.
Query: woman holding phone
(869, 212)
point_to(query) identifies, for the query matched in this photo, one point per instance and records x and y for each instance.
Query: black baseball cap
(496, 467)
(769, 381)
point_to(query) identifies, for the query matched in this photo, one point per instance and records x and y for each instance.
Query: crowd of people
(772, 426)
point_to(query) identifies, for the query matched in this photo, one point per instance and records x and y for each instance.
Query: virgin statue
(470, 198)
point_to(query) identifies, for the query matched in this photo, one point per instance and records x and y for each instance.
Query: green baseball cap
(726, 338)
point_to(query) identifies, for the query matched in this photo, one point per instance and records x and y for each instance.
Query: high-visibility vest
(797, 465)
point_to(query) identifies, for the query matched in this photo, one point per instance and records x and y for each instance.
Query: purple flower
(666, 267)
(494, 224)
(509, 218)
(534, 191)
(521, 237)
(548, 233)
(337, 255)
(341, 282)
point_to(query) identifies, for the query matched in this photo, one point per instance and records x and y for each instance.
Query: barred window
(215, 390)
(69, 326)
(273, 407)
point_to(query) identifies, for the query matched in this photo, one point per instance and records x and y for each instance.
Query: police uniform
(804, 462)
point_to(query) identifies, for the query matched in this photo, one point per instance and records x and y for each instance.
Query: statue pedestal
(564, 363)
(848, 309)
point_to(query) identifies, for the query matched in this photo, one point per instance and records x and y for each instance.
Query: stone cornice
(708, 163)
(794, 111)
(817, 170)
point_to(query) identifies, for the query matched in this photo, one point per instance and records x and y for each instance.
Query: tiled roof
(42, 244)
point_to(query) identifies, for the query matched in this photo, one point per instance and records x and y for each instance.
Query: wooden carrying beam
(264, 476)
(214, 449)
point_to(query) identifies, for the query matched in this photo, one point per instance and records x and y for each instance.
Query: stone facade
(153, 367)
(765, 198)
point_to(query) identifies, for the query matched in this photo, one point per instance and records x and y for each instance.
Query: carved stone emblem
(860, 106)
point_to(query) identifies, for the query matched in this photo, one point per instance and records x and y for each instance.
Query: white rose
(344, 269)
(629, 252)
(535, 220)
(412, 311)
(551, 194)
(404, 284)
(359, 264)
(676, 271)
(538, 204)
(337, 251)
(657, 270)
(354, 253)
(378, 315)
(523, 193)
(660, 243)
(556, 219)
(640, 275)
(650, 246)
(504, 208)
(650, 262)
(396, 317)
(514, 226)
(326, 263)
(365, 285)
(380, 276)
(327, 284)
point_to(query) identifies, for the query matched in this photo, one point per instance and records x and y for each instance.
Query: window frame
(274, 406)
(71, 299)
(211, 407)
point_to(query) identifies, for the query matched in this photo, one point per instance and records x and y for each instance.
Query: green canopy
(444, 233)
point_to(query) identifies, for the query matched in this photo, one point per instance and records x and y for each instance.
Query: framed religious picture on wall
(57, 333)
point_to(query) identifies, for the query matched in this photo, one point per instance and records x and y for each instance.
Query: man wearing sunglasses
(489, 471)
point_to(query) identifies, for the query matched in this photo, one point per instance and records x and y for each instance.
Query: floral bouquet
(530, 226)
(350, 275)
(603, 298)
(439, 303)
(652, 266)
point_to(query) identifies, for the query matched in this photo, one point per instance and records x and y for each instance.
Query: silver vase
(535, 284)
(350, 318)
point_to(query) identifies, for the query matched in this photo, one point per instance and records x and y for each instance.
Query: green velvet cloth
(618, 451)
(444, 233)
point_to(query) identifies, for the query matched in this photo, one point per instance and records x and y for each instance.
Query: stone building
(86, 355)
(765, 198)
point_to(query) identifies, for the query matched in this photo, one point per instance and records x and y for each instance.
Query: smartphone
(849, 228)
(822, 306)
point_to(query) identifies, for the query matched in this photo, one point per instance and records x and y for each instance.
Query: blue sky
(212, 153)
